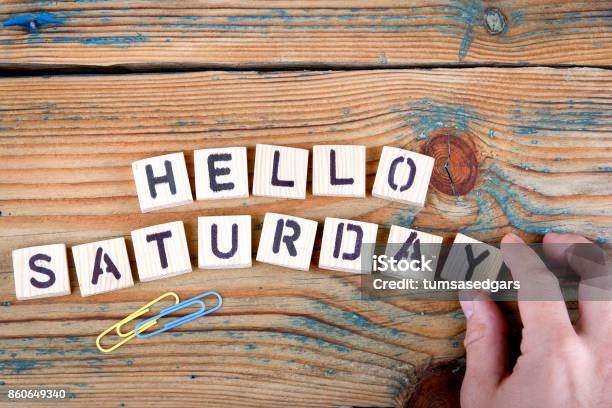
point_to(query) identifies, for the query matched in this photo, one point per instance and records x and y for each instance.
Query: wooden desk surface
(531, 152)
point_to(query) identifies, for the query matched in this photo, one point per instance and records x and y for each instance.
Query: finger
(486, 349)
(540, 303)
(595, 291)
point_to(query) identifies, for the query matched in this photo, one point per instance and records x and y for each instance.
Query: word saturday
(225, 241)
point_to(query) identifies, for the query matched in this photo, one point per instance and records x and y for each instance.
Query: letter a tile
(102, 266)
(161, 251)
(410, 244)
(403, 176)
(162, 182)
(287, 241)
(41, 271)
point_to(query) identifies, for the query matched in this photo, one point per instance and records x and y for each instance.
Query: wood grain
(314, 33)
(538, 144)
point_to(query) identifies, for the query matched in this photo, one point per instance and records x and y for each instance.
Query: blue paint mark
(250, 347)
(49, 351)
(130, 362)
(517, 17)
(470, 15)
(2, 382)
(525, 131)
(347, 112)
(193, 376)
(316, 342)
(330, 371)
(6, 303)
(426, 116)
(498, 185)
(187, 123)
(33, 21)
(534, 142)
(404, 217)
(118, 41)
(88, 350)
(23, 366)
(83, 385)
(491, 134)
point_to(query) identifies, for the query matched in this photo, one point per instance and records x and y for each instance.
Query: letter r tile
(162, 182)
(161, 251)
(41, 271)
(403, 176)
(102, 266)
(287, 241)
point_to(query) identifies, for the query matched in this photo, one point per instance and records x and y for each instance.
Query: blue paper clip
(192, 316)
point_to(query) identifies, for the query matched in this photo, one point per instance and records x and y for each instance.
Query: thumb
(486, 349)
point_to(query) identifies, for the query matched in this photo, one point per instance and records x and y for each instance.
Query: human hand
(561, 365)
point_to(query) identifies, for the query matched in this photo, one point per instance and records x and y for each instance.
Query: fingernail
(468, 308)
(512, 238)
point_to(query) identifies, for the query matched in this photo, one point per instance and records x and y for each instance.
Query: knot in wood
(494, 21)
(456, 168)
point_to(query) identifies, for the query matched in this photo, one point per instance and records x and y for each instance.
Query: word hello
(225, 241)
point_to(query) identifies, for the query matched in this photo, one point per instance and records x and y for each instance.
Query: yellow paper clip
(131, 334)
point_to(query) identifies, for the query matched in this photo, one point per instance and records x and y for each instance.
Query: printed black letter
(213, 172)
(161, 248)
(110, 267)
(167, 178)
(288, 240)
(43, 270)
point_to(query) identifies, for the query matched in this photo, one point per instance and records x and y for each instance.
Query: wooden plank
(530, 152)
(315, 33)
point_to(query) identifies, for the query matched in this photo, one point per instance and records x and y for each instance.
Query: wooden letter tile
(472, 260)
(221, 173)
(280, 172)
(403, 176)
(102, 266)
(224, 242)
(338, 170)
(287, 241)
(41, 271)
(162, 182)
(161, 251)
(347, 245)
(406, 243)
